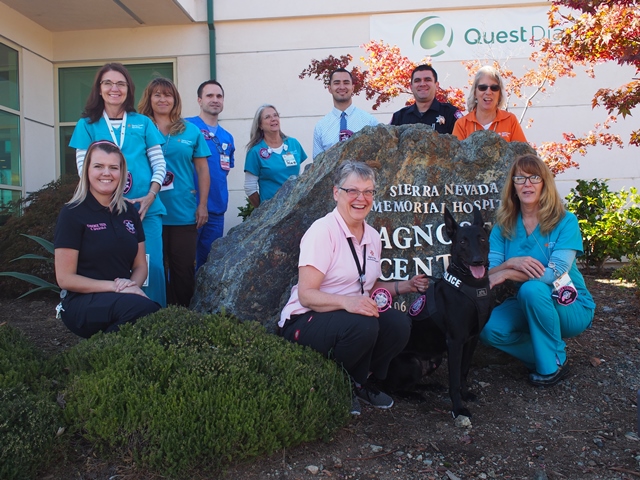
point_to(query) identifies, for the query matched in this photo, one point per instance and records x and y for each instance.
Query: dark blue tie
(343, 121)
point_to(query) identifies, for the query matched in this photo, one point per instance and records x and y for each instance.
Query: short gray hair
(361, 169)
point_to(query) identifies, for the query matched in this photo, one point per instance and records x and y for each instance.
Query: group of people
(152, 196)
(169, 176)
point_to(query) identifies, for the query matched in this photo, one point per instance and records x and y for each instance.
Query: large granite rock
(249, 273)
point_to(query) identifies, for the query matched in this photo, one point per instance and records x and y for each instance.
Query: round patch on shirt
(128, 184)
(168, 179)
(383, 299)
(345, 135)
(566, 295)
(131, 228)
(264, 153)
(458, 114)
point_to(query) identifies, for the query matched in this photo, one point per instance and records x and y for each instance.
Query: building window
(10, 167)
(74, 86)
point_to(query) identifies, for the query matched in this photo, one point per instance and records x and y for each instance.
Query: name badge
(225, 164)
(289, 160)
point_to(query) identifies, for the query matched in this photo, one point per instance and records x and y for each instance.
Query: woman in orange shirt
(485, 105)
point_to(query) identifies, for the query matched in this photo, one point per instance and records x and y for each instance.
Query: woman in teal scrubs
(185, 149)
(535, 242)
(272, 157)
(109, 114)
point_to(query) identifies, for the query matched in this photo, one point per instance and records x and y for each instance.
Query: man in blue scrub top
(220, 142)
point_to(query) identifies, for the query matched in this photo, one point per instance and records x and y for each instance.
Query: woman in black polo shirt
(100, 255)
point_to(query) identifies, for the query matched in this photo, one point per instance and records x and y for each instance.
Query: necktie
(343, 121)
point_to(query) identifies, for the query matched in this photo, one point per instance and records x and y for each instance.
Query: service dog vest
(480, 296)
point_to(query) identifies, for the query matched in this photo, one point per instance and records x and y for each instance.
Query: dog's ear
(477, 217)
(450, 224)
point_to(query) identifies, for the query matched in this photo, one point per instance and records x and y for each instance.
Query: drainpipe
(212, 40)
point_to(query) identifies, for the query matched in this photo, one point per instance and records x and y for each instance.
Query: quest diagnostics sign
(464, 35)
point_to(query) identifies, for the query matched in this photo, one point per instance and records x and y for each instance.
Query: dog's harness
(481, 297)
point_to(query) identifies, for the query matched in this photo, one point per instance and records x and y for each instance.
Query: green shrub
(28, 426)
(40, 212)
(610, 222)
(629, 272)
(41, 284)
(29, 414)
(21, 363)
(246, 210)
(182, 390)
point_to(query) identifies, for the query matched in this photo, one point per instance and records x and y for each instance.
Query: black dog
(449, 316)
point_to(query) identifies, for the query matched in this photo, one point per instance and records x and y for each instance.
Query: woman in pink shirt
(331, 309)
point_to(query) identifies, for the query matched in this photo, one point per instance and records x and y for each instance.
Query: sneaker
(356, 409)
(368, 393)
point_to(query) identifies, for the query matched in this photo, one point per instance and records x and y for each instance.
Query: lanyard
(361, 270)
(123, 129)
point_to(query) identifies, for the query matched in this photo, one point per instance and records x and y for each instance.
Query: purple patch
(264, 153)
(131, 228)
(566, 295)
(417, 306)
(128, 184)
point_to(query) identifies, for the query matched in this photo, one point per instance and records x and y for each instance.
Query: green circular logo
(432, 36)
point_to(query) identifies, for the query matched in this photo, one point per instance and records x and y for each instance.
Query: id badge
(289, 160)
(225, 164)
(562, 281)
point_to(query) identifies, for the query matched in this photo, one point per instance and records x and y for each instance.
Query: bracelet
(154, 193)
(397, 292)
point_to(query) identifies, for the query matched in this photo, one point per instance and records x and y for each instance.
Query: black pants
(89, 313)
(179, 251)
(359, 343)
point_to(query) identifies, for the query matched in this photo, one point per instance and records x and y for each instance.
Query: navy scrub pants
(89, 313)
(359, 343)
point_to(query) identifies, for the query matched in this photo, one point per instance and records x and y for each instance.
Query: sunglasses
(494, 88)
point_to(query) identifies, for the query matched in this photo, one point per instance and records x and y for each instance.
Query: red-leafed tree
(605, 31)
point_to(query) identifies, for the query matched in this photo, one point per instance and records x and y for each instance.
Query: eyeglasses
(354, 193)
(521, 180)
(110, 84)
(494, 88)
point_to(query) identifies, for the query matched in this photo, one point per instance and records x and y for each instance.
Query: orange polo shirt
(505, 124)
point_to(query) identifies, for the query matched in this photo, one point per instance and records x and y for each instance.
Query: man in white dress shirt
(345, 119)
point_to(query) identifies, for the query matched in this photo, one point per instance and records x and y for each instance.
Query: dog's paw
(461, 411)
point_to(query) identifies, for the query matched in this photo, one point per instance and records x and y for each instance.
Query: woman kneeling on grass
(100, 258)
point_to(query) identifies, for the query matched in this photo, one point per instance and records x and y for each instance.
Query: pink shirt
(325, 247)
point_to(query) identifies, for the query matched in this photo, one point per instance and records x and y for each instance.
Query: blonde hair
(165, 86)
(493, 73)
(117, 199)
(551, 207)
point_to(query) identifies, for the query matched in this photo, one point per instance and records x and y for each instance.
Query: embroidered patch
(131, 228)
(128, 184)
(296, 335)
(265, 153)
(345, 135)
(417, 306)
(383, 299)
(482, 292)
(458, 114)
(168, 179)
